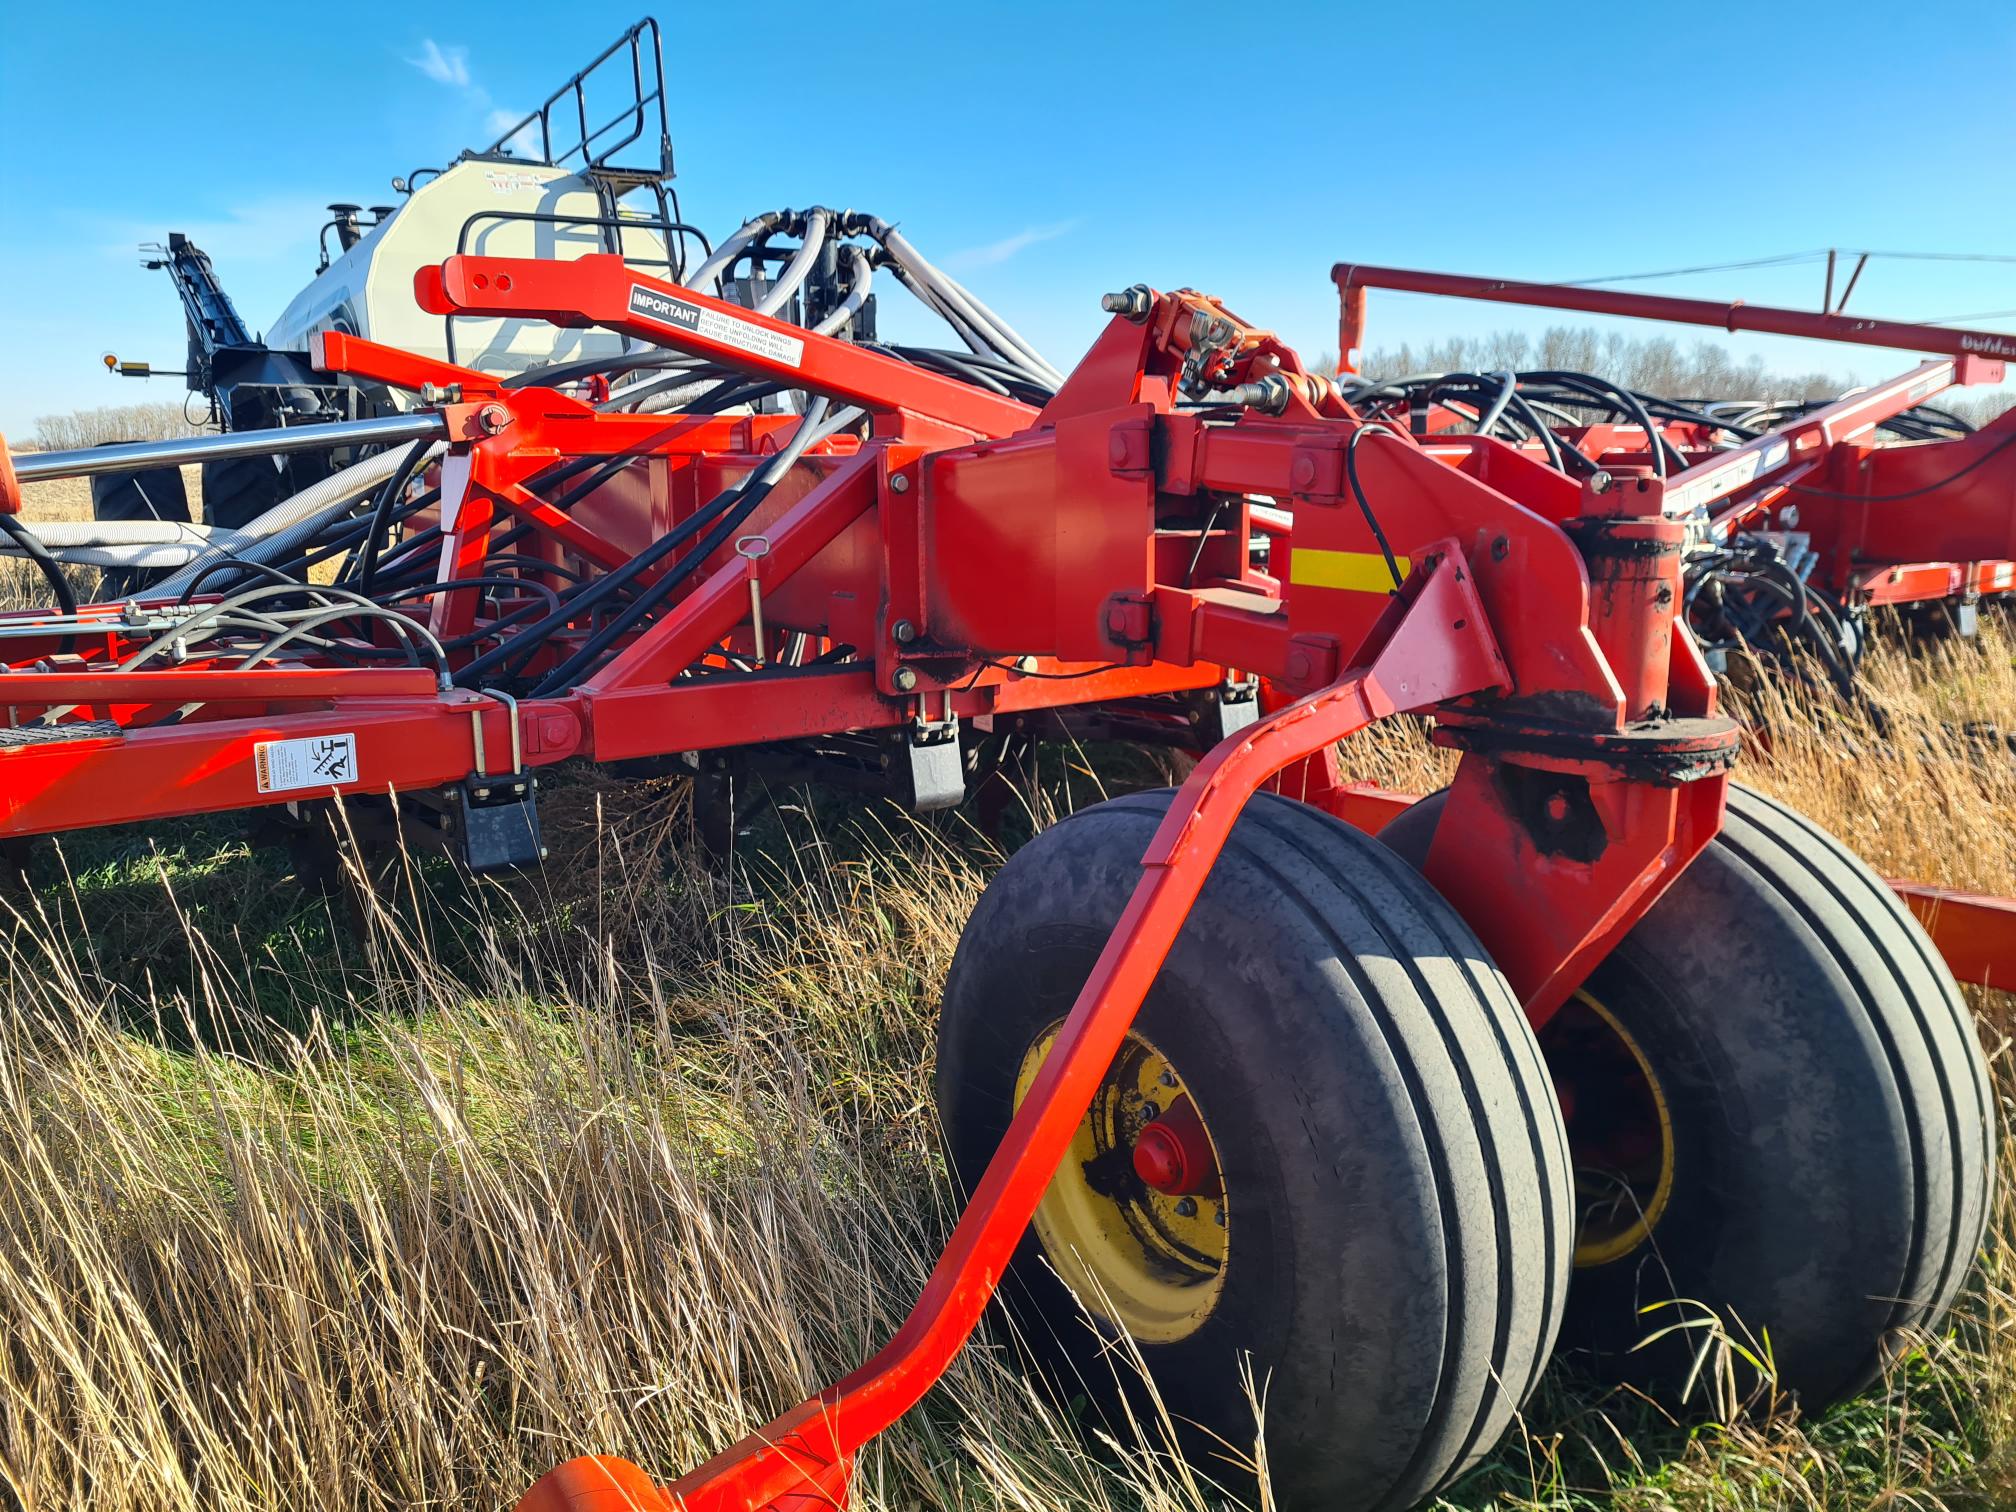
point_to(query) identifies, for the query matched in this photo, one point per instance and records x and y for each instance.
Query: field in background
(626, 1158)
(70, 498)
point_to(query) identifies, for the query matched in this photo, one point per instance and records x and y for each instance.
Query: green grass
(627, 1158)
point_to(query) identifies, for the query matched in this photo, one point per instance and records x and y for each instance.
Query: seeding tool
(1591, 1029)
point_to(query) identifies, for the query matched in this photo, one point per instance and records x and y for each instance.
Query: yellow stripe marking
(1353, 571)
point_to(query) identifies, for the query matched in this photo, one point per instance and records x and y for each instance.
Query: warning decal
(314, 761)
(744, 335)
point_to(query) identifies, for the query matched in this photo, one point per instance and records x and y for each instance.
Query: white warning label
(728, 330)
(314, 761)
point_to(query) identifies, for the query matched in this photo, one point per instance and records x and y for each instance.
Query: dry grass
(287, 1223)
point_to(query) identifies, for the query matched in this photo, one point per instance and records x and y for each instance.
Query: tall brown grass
(657, 1157)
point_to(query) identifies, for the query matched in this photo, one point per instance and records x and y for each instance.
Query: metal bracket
(497, 813)
(937, 763)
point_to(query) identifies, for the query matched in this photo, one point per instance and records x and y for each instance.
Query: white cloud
(525, 142)
(444, 65)
(993, 253)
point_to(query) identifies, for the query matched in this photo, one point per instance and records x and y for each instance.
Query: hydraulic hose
(289, 525)
(737, 505)
(31, 547)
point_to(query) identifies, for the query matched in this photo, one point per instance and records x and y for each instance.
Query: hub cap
(1136, 1219)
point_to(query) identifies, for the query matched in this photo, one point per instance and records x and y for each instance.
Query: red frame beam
(602, 289)
(1950, 341)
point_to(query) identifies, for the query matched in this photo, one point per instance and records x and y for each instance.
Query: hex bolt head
(903, 631)
(1134, 303)
(1167, 1078)
(900, 483)
(905, 679)
(1186, 1208)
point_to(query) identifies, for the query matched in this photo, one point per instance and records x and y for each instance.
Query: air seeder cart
(1391, 1117)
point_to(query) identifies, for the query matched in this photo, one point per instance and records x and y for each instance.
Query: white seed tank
(483, 207)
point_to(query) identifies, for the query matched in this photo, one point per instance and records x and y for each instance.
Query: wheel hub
(1172, 1154)
(1136, 1220)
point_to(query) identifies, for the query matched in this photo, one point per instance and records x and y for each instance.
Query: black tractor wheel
(1326, 1154)
(237, 490)
(1780, 1117)
(156, 493)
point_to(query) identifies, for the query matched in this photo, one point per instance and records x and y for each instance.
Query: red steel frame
(969, 542)
(1893, 524)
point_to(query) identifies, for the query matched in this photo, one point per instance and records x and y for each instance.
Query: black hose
(51, 569)
(736, 506)
(1365, 504)
(273, 574)
(381, 512)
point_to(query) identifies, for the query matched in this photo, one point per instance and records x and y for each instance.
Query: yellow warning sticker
(1353, 571)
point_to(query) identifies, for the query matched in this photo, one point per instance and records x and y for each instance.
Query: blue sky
(1048, 152)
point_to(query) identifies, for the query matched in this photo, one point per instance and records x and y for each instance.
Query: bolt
(1134, 303)
(1152, 1108)
(482, 792)
(1167, 1078)
(492, 418)
(905, 679)
(900, 483)
(903, 631)
(1218, 1217)
(1557, 807)
(1600, 481)
(1186, 1207)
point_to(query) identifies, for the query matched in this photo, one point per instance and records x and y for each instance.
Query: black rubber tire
(1395, 1163)
(1833, 1126)
(156, 493)
(237, 490)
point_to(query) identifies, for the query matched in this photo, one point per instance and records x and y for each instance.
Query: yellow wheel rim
(1620, 1131)
(1145, 1261)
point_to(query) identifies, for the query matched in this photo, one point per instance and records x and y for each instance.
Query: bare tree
(125, 422)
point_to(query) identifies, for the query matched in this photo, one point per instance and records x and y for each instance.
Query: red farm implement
(1807, 513)
(1221, 1069)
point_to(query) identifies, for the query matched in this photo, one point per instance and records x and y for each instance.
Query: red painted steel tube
(604, 290)
(264, 684)
(1950, 341)
(1975, 933)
